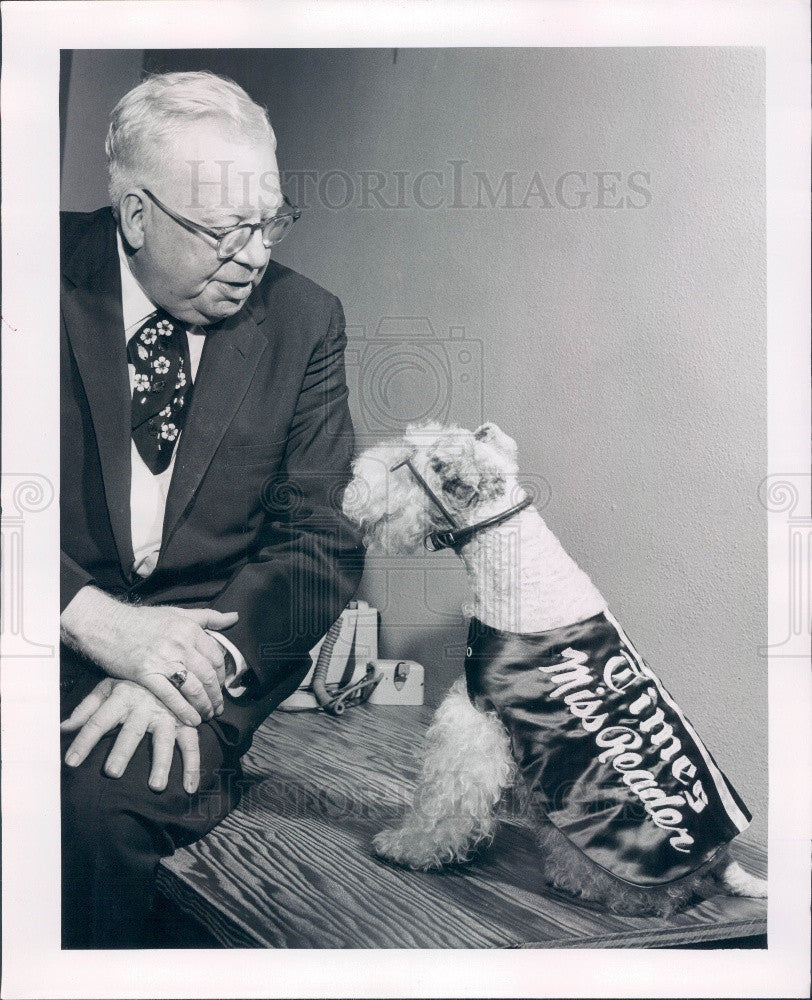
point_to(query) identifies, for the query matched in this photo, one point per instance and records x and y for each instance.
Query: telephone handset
(346, 669)
(332, 684)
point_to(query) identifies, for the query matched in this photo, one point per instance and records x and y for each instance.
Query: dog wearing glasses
(630, 809)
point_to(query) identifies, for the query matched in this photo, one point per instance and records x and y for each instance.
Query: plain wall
(91, 83)
(624, 348)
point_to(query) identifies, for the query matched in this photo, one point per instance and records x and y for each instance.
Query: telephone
(346, 670)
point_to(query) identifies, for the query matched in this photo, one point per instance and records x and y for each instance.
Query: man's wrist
(89, 620)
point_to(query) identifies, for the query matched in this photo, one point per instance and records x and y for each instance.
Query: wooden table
(291, 867)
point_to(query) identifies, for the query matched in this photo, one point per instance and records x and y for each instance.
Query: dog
(630, 810)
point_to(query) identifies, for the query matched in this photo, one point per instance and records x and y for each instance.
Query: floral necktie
(159, 351)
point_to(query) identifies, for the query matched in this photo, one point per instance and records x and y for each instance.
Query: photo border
(32, 37)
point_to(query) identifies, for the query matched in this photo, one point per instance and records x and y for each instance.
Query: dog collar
(457, 535)
(455, 538)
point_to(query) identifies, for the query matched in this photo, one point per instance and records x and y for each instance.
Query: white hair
(161, 107)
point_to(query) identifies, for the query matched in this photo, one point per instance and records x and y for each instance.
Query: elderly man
(206, 443)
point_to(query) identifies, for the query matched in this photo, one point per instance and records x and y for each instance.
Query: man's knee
(101, 812)
(115, 831)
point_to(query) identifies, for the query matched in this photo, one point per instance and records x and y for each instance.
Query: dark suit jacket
(253, 518)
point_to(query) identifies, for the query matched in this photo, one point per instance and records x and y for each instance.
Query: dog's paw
(737, 882)
(410, 849)
(752, 886)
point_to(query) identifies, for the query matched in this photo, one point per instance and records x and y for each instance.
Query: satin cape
(605, 752)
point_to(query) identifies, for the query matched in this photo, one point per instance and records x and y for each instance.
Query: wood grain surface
(291, 866)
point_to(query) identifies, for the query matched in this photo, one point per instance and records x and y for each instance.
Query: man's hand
(112, 703)
(149, 645)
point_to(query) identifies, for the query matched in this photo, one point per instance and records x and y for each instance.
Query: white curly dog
(632, 811)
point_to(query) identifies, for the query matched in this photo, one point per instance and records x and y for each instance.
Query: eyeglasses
(230, 241)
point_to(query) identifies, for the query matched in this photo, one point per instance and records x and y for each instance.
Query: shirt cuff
(236, 667)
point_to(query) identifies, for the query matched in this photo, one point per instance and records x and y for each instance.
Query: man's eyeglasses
(230, 241)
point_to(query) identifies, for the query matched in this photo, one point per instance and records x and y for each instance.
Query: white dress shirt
(148, 491)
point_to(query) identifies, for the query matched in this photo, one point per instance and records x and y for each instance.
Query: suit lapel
(95, 328)
(230, 358)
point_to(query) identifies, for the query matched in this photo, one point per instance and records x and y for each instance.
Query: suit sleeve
(71, 579)
(310, 560)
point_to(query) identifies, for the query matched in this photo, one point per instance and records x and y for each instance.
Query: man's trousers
(116, 830)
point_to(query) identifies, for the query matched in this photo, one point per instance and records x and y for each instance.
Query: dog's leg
(737, 882)
(467, 765)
